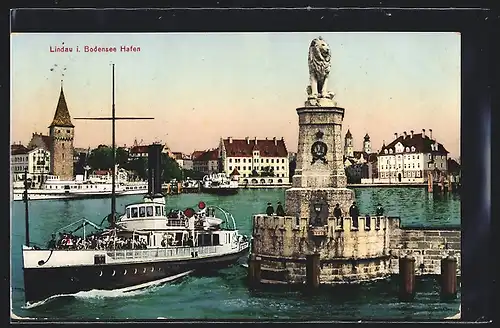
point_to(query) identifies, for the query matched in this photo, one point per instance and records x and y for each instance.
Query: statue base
(300, 202)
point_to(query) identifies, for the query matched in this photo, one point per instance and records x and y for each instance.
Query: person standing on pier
(354, 213)
(270, 209)
(337, 213)
(279, 210)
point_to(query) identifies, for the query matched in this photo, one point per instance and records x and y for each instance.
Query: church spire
(62, 117)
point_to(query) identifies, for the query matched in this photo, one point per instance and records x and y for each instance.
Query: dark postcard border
(476, 26)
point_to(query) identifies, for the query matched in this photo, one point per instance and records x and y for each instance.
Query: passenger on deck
(270, 209)
(279, 210)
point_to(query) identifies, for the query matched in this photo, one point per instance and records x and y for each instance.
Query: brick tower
(62, 132)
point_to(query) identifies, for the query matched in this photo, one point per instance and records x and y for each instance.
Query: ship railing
(161, 252)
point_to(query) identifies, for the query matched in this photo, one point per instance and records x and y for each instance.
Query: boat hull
(42, 283)
(220, 191)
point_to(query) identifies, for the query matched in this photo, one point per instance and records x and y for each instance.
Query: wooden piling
(179, 187)
(407, 278)
(254, 270)
(312, 270)
(449, 277)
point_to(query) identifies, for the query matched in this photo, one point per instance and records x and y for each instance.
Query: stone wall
(428, 246)
(347, 254)
(62, 152)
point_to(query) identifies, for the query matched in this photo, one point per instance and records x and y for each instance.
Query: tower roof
(367, 137)
(62, 117)
(348, 134)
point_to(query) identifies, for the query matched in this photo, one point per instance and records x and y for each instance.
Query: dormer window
(412, 148)
(390, 151)
(385, 151)
(407, 149)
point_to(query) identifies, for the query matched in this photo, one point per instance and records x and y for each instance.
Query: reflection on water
(224, 294)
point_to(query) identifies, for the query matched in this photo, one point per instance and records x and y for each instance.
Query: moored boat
(141, 247)
(219, 183)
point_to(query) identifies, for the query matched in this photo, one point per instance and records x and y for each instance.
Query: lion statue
(319, 68)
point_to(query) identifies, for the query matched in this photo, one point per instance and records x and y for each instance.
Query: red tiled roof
(266, 148)
(18, 150)
(139, 150)
(102, 172)
(422, 145)
(207, 155)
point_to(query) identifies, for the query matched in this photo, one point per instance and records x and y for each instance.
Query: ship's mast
(113, 172)
(113, 118)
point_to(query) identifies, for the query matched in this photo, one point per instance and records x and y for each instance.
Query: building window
(441, 164)
(418, 165)
(430, 156)
(262, 160)
(429, 165)
(413, 165)
(230, 160)
(282, 160)
(67, 131)
(267, 160)
(244, 167)
(244, 160)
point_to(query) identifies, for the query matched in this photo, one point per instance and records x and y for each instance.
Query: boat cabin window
(206, 240)
(149, 211)
(158, 210)
(142, 211)
(128, 213)
(134, 212)
(215, 240)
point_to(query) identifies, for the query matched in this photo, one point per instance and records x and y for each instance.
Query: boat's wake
(121, 292)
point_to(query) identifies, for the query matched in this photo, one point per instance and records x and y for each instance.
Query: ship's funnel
(154, 169)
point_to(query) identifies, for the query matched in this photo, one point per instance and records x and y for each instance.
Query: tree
(100, 158)
(192, 174)
(254, 173)
(170, 169)
(267, 171)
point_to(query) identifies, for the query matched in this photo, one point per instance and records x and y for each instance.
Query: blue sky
(203, 86)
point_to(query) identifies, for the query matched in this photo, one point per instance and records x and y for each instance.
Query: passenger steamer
(219, 183)
(142, 247)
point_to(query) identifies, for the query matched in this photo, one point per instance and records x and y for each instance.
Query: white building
(206, 161)
(411, 158)
(257, 161)
(35, 160)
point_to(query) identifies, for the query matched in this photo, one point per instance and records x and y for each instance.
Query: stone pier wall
(347, 254)
(428, 246)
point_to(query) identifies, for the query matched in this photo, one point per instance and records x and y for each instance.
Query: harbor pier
(323, 239)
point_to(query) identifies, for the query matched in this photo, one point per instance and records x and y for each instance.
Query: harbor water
(224, 294)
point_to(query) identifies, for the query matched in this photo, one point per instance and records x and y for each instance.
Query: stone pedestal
(319, 174)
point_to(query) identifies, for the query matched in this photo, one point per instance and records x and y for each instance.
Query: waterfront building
(140, 151)
(264, 161)
(184, 161)
(206, 161)
(348, 145)
(59, 142)
(35, 160)
(412, 158)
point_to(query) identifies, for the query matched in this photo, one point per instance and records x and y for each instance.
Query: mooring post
(312, 270)
(254, 270)
(407, 278)
(449, 277)
(179, 187)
